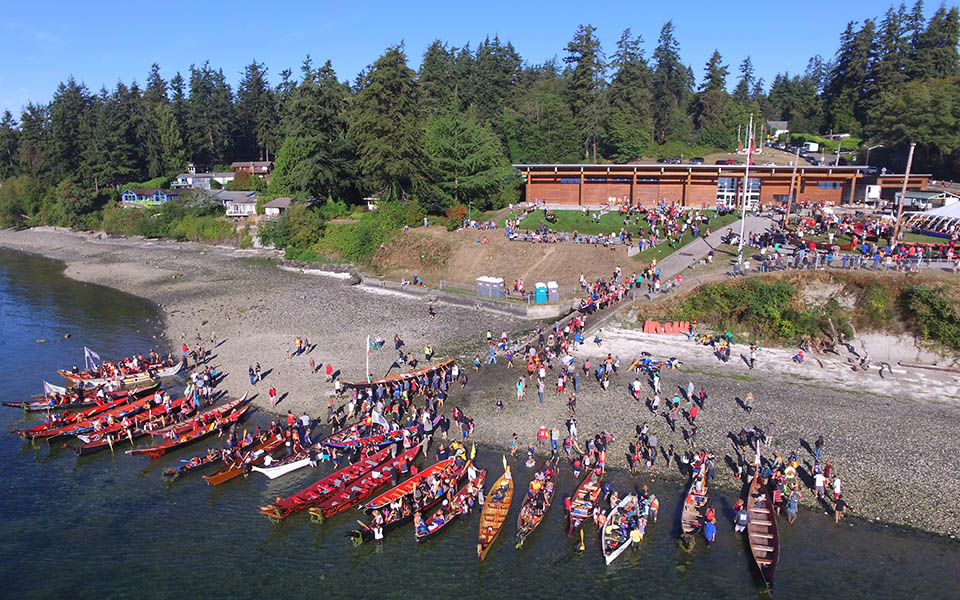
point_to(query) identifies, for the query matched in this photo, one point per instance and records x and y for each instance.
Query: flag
(377, 418)
(49, 388)
(90, 356)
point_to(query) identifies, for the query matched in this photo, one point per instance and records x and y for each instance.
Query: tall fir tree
(630, 122)
(587, 83)
(745, 85)
(671, 86)
(9, 142)
(467, 161)
(386, 129)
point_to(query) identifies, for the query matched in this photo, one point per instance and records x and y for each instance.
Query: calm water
(107, 527)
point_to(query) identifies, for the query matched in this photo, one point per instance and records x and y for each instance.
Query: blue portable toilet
(541, 293)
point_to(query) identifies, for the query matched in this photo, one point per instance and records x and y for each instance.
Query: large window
(729, 190)
(830, 185)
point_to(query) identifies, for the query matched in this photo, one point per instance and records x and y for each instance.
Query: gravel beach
(890, 438)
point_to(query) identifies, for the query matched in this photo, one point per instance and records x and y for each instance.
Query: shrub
(932, 315)
(456, 215)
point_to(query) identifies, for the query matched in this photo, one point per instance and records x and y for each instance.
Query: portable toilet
(497, 289)
(540, 295)
(483, 286)
(553, 292)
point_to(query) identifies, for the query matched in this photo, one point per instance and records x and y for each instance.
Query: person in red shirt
(273, 395)
(542, 436)
(694, 410)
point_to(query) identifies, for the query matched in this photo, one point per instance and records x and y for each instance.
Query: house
(254, 167)
(237, 204)
(275, 207)
(777, 128)
(201, 181)
(147, 196)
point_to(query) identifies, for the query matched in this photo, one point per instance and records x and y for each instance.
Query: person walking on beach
(273, 395)
(793, 504)
(748, 402)
(253, 377)
(520, 390)
(818, 447)
(690, 391)
(256, 369)
(540, 387)
(753, 355)
(839, 508)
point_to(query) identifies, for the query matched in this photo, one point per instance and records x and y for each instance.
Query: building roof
(926, 195)
(195, 175)
(597, 168)
(234, 196)
(251, 163)
(778, 124)
(281, 202)
(152, 191)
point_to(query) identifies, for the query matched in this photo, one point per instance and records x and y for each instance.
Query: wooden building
(700, 186)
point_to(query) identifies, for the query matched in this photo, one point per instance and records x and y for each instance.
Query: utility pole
(903, 196)
(793, 178)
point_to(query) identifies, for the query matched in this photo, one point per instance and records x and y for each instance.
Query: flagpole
(746, 184)
(368, 359)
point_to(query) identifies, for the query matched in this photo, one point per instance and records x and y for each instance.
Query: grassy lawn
(663, 249)
(574, 220)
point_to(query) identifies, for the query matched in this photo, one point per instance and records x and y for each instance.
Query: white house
(201, 181)
(275, 207)
(237, 204)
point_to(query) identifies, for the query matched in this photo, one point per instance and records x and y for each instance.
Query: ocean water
(107, 526)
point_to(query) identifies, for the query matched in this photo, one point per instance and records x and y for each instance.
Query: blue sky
(103, 42)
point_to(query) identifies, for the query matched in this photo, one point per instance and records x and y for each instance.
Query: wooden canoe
(87, 378)
(529, 518)
(448, 476)
(192, 435)
(614, 538)
(694, 511)
(361, 488)
(319, 491)
(762, 533)
(101, 439)
(494, 512)
(175, 429)
(38, 431)
(342, 440)
(434, 528)
(406, 487)
(72, 401)
(82, 426)
(399, 377)
(253, 457)
(583, 501)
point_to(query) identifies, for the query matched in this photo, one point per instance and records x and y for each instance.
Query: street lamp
(867, 161)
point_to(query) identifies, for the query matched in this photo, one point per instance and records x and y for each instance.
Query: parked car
(724, 161)
(696, 161)
(663, 161)
(871, 171)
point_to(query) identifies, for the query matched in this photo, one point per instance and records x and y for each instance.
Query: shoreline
(886, 443)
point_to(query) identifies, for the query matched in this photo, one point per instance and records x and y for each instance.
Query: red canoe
(402, 489)
(192, 435)
(82, 426)
(321, 490)
(362, 487)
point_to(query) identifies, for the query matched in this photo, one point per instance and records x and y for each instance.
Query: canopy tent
(942, 221)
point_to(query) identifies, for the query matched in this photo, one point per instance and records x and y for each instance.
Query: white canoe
(282, 469)
(614, 545)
